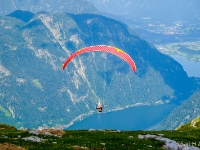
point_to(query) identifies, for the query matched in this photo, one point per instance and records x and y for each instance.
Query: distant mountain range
(165, 12)
(34, 6)
(35, 92)
(172, 26)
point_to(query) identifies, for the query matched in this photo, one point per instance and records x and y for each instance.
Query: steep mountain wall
(36, 92)
(183, 114)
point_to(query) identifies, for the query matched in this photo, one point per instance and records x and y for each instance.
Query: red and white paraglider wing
(103, 48)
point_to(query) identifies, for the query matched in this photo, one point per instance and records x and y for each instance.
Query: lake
(136, 118)
(192, 68)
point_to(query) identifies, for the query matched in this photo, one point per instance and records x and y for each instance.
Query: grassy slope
(193, 125)
(105, 139)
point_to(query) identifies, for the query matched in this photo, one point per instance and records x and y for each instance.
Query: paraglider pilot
(99, 106)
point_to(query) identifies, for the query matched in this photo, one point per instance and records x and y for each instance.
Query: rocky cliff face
(35, 92)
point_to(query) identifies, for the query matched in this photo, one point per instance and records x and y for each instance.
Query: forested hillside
(183, 114)
(36, 92)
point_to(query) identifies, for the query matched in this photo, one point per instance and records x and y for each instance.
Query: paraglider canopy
(103, 48)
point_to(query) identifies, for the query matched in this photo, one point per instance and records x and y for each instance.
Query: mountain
(165, 12)
(34, 6)
(192, 125)
(159, 22)
(183, 114)
(174, 32)
(56, 139)
(172, 26)
(36, 92)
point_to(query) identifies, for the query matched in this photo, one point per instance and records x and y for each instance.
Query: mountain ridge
(183, 114)
(32, 79)
(186, 11)
(59, 6)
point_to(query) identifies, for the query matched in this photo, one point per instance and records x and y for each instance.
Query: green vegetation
(183, 114)
(37, 84)
(38, 92)
(7, 127)
(94, 139)
(193, 125)
(190, 50)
